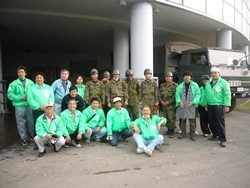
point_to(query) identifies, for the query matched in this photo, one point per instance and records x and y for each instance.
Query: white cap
(117, 99)
(215, 69)
(48, 104)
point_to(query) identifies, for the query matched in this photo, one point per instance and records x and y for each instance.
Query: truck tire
(233, 104)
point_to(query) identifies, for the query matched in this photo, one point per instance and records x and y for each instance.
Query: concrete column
(224, 38)
(141, 39)
(246, 50)
(121, 50)
(1, 78)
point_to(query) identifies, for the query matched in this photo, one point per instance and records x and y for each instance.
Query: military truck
(233, 65)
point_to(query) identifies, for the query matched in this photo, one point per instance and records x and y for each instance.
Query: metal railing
(3, 97)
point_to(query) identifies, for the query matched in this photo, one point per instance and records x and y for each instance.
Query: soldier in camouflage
(149, 91)
(94, 88)
(167, 99)
(133, 93)
(106, 82)
(117, 88)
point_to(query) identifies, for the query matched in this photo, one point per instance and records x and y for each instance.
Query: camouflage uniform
(133, 102)
(95, 89)
(107, 86)
(149, 94)
(167, 93)
(117, 89)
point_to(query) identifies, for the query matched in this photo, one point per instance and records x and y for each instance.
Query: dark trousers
(36, 114)
(73, 137)
(192, 123)
(204, 120)
(216, 119)
(125, 133)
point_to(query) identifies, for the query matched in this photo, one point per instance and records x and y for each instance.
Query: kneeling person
(146, 130)
(118, 122)
(73, 124)
(49, 129)
(94, 121)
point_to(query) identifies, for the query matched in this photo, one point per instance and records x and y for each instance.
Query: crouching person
(94, 121)
(49, 129)
(73, 124)
(118, 122)
(146, 130)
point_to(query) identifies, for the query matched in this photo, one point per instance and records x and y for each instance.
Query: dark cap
(205, 77)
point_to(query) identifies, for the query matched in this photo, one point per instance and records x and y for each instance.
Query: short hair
(95, 99)
(72, 99)
(39, 73)
(187, 73)
(73, 88)
(64, 70)
(22, 67)
(79, 75)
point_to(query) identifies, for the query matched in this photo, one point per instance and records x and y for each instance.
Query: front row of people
(72, 125)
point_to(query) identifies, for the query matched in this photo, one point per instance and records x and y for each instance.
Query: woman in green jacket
(147, 130)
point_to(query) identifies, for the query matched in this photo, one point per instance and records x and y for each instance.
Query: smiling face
(73, 93)
(49, 111)
(215, 75)
(95, 104)
(72, 105)
(146, 112)
(39, 79)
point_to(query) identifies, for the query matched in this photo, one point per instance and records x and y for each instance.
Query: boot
(171, 133)
(183, 129)
(192, 123)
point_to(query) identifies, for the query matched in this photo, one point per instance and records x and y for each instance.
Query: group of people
(63, 114)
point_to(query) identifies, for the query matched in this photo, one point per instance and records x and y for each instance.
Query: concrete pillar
(246, 50)
(121, 50)
(141, 38)
(1, 78)
(224, 38)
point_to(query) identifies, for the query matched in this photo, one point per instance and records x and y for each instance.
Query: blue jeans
(24, 120)
(124, 134)
(97, 134)
(150, 144)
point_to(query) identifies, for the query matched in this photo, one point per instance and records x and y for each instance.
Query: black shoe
(24, 143)
(181, 136)
(222, 144)
(193, 138)
(171, 133)
(213, 139)
(54, 147)
(166, 133)
(41, 154)
(35, 147)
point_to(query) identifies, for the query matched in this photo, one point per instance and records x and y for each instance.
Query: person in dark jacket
(73, 94)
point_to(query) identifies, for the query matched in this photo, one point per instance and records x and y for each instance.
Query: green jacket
(43, 127)
(203, 95)
(16, 91)
(97, 121)
(117, 121)
(195, 90)
(219, 94)
(81, 90)
(38, 96)
(149, 131)
(72, 124)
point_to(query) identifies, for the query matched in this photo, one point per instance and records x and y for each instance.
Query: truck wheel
(233, 104)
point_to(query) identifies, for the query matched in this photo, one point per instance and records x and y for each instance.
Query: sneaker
(66, 145)
(24, 143)
(205, 135)
(193, 138)
(139, 151)
(179, 131)
(87, 141)
(96, 139)
(196, 133)
(181, 136)
(148, 152)
(126, 140)
(41, 154)
(166, 133)
(222, 144)
(74, 144)
(213, 139)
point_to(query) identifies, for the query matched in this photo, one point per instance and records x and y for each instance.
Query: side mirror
(235, 62)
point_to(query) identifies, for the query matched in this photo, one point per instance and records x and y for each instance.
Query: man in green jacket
(147, 129)
(187, 98)
(73, 124)
(118, 122)
(94, 121)
(49, 129)
(218, 101)
(17, 93)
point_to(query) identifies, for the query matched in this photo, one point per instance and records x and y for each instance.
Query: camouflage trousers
(169, 114)
(133, 112)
